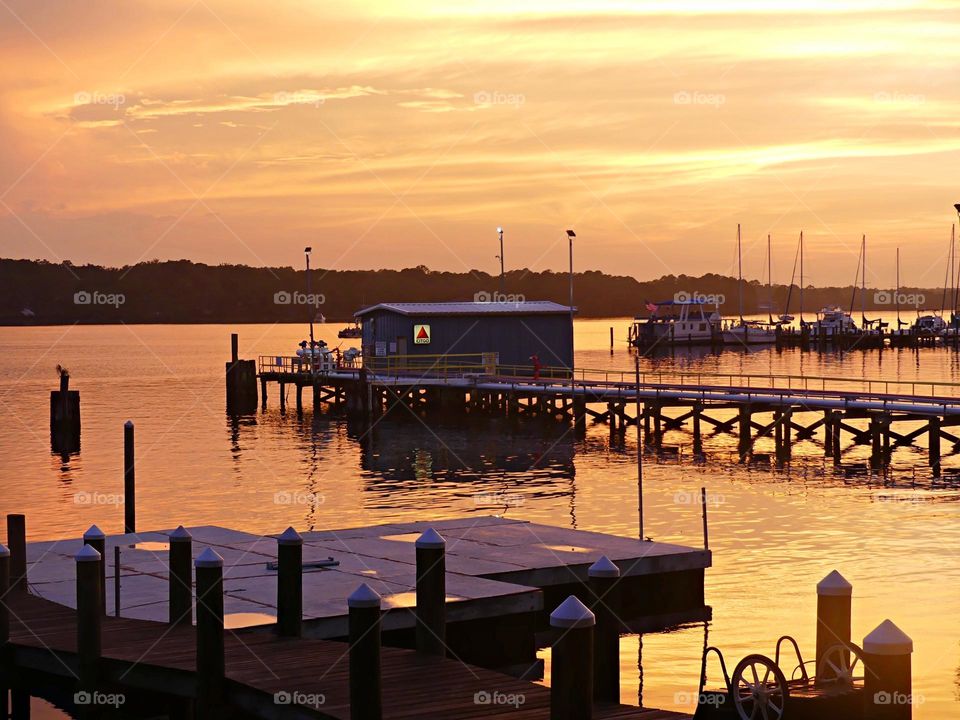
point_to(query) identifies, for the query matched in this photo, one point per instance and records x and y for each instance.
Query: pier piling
(365, 674)
(834, 601)
(289, 583)
(17, 544)
(95, 538)
(89, 616)
(180, 591)
(241, 378)
(129, 480)
(887, 674)
(934, 441)
(431, 594)
(4, 610)
(210, 647)
(65, 416)
(571, 684)
(604, 576)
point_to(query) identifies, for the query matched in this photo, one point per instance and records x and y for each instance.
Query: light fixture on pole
(307, 250)
(500, 256)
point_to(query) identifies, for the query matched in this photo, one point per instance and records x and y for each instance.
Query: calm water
(774, 533)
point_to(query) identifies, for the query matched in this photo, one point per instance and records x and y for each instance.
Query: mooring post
(431, 608)
(834, 603)
(604, 576)
(744, 433)
(703, 513)
(95, 538)
(129, 481)
(4, 611)
(887, 682)
(837, 427)
(180, 581)
(571, 684)
(697, 436)
(934, 441)
(210, 650)
(17, 544)
(289, 583)
(827, 432)
(365, 676)
(116, 580)
(89, 616)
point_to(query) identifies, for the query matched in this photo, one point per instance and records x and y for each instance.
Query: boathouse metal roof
(527, 307)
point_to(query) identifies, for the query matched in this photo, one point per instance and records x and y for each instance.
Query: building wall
(514, 337)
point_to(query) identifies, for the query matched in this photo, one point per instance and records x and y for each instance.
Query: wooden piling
(834, 602)
(743, 439)
(697, 436)
(17, 544)
(65, 417)
(4, 610)
(180, 585)
(933, 431)
(210, 648)
(129, 480)
(116, 580)
(887, 674)
(604, 603)
(837, 428)
(827, 432)
(299, 399)
(89, 616)
(241, 379)
(571, 684)
(365, 674)
(289, 583)
(431, 594)
(95, 538)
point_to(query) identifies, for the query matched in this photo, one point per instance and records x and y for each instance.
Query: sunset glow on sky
(394, 134)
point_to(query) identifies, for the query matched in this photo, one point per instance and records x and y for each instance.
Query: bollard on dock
(95, 538)
(89, 616)
(289, 583)
(834, 603)
(211, 664)
(4, 610)
(365, 675)
(180, 591)
(17, 544)
(887, 680)
(604, 577)
(129, 481)
(431, 594)
(571, 682)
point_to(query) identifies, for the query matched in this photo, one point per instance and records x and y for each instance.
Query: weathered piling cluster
(241, 380)
(64, 416)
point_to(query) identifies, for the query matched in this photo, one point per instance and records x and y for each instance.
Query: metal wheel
(759, 689)
(841, 664)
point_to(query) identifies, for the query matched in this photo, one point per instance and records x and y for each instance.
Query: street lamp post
(307, 250)
(502, 281)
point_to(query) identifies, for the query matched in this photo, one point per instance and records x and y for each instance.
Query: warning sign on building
(421, 334)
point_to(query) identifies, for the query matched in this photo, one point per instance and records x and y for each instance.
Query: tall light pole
(570, 236)
(307, 250)
(500, 234)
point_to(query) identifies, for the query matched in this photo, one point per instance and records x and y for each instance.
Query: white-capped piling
(180, 584)
(605, 604)
(887, 680)
(89, 615)
(834, 612)
(95, 538)
(571, 670)
(431, 634)
(365, 675)
(289, 583)
(210, 649)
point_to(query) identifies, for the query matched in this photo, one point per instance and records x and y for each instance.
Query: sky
(396, 134)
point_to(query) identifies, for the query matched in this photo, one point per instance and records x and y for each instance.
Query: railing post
(17, 544)
(95, 538)
(289, 583)
(604, 576)
(89, 616)
(834, 600)
(887, 683)
(180, 581)
(210, 650)
(365, 675)
(571, 682)
(431, 594)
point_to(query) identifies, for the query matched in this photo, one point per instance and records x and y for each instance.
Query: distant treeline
(43, 293)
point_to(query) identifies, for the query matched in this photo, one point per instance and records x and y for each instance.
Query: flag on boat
(651, 307)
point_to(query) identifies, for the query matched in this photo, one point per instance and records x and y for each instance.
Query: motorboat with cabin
(675, 322)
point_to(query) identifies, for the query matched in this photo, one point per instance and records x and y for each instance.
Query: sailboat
(746, 332)
(833, 322)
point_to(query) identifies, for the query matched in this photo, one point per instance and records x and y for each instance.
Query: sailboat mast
(952, 265)
(739, 276)
(769, 284)
(801, 278)
(863, 284)
(896, 294)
